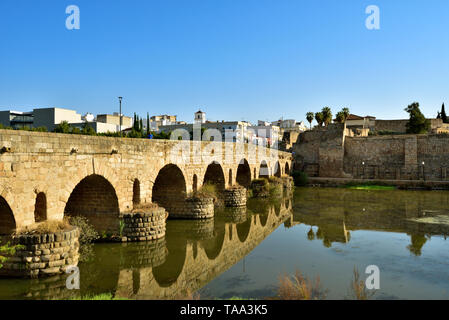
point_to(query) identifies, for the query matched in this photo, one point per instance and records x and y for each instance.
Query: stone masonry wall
(144, 225)
(54, 164)
(398, 157)
(235, 197)
(194, 208)
(43, 254)
(392, 157)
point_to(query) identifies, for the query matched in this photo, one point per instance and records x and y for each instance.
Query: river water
(320, 232)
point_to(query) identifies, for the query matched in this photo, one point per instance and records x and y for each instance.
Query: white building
(200, 117)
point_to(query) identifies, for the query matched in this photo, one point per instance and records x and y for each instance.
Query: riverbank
(399, 184)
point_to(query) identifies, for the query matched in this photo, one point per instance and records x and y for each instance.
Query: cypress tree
(443, 115)
(148, 123)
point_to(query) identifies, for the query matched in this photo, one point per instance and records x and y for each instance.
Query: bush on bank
(300, 178)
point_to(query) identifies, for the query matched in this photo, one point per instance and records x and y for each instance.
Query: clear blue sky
(236, 59)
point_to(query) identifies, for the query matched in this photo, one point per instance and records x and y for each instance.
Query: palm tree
(319, 118)
(345, 112)
(327, 115)
(340, 117)
(310, 116)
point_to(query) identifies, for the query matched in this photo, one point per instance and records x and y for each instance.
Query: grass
(357, 289)
(298, 287)
(101, 296)
(49, 226)
(371, 187)
(143, 206)
(187, 295)
(208, 190)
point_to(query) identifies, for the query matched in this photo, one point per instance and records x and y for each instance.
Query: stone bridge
(47, 175)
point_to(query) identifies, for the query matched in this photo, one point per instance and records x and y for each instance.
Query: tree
(346, 112)
(319, 118)
(327, 115)
(148, 123)
(340, 117)
(87, 129)
(418, 123)
(443, 114)
(309, 117)
(438, 115)
(63, 127)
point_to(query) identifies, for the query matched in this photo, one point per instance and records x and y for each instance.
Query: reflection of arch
(213, 246)
(169, 187)
(263, 219)
(136, 192)
(195, 183)
(243, 177)
(94, 197)
(214, 175)
(167, 273)
(7, 221)
(40, 208)
(243, 230)
(264, 172)
(277, 170)
(287, 169)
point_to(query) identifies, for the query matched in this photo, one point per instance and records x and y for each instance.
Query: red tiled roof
(354, 117)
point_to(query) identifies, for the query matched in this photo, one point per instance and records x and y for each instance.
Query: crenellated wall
(392, 157)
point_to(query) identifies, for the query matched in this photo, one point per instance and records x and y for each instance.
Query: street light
(120, 114)
(423, 175)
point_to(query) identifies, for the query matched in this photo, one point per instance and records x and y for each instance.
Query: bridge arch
(40, 207)
(243, 177)
(7, 220)
(169, 189)
(214, 175)
(277, 170)
(264, 172)
(136, 192)
(94, 197)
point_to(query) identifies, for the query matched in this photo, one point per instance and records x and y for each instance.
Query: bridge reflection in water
(193, 253)
(334, 214)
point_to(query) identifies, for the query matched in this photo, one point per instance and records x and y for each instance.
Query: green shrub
(7, 250)
(300, 178)
(87, 235)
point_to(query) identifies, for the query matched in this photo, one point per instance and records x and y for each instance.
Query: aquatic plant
(298, 287)
(358, 289)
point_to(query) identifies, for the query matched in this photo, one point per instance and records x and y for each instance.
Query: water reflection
(191, 255)
(335, 213)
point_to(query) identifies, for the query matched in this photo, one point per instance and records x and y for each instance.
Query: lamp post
(120, 114)
(363, 169)
(423, 175)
